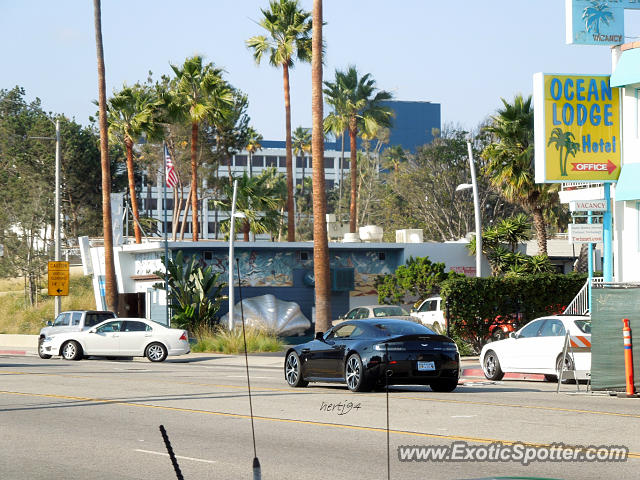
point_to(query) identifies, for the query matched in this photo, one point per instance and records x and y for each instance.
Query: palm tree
(596, 13)
(131, 114)
(110, 285)
(199, 93)
(356, 98)
(393, 157)
(253, 145)
(289, 27)
(563, 141)
(510, 163)
(259, 199)
(301, 144)
(321, 270)
(337, 124)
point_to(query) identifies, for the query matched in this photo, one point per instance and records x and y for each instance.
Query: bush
(474, 303)
(222, 340)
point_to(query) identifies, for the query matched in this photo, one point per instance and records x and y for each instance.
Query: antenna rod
(256, 462)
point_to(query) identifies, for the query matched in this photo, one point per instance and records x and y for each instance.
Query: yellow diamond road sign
(58, 275)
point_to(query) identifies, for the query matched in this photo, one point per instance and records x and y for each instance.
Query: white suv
(430, 313)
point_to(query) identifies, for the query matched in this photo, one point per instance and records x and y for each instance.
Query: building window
(240, 161)
(637, 112)
(328, 163)
(150, 203)
(298, 181)
(304, 256)
(257, 160)
(282, 162)
(168, 204)
(299, 162)
(381, 256)
(211, 226)
(328, 184)
(345, 164)
(169, 227)
(270, 161)
(208, 255)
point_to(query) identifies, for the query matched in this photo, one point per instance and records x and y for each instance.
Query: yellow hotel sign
(577, 128)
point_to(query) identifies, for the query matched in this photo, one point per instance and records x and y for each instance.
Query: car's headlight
(47, 339)
(391, 347)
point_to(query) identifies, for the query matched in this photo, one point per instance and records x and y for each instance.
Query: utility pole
(57, 299)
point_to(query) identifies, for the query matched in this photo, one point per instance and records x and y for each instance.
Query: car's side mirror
(93, 330)
(513, 335)
(319, 335)
(340, 317)
(49, 323)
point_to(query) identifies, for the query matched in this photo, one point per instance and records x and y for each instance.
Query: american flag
(172, 174)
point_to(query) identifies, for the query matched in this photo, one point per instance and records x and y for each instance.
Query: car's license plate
(426, 366)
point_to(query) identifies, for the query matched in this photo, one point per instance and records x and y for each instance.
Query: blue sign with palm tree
(597, 22)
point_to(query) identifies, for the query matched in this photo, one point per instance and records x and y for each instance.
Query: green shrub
(474, 303)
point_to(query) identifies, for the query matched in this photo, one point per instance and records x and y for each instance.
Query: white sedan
(129, 337)
(538, 346)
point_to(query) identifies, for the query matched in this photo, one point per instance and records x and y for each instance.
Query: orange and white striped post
(628, 356)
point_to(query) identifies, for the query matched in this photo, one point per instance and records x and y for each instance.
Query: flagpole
(164, 229)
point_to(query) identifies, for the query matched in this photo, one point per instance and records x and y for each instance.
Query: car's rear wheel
(71, 350)
(568, 365)
(354, 374)
(156, 352)
(46, 356)
(448, 385)
(550, 378)
(491, 366)
(293, 371)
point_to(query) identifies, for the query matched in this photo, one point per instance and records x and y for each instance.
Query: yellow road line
(395, 395)
(289, 420)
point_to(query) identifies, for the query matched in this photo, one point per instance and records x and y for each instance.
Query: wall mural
(269, 268)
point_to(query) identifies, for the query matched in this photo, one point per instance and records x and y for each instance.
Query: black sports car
(359, 352)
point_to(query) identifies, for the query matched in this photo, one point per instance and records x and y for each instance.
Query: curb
(478, 373)
(13, 352)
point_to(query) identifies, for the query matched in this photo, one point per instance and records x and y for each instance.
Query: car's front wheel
(293, 371)
(71, 350)
(41, 352)
(568, 366)
(156, 352)
(354, 374)
(491, 366)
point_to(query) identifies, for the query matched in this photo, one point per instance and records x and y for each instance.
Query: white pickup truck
(430, 313)
(71, 321)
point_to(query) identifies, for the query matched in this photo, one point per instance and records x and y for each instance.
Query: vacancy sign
(576, 128)
(587, 205)
(585, 233)
(58, 276)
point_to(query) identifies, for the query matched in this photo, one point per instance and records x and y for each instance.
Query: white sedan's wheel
(156, 352)
(71, 350)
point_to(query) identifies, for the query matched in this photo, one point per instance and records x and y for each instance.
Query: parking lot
(99, 419)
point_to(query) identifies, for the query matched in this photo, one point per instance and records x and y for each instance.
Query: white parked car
(128, 337)
(537, 348)
(373, 311)
(430, 313)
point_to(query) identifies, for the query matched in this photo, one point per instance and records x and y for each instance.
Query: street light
(476, 207)
(232, 234)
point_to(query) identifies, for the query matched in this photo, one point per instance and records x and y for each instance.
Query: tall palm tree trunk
(320, 245)
(132, 190)
(110, 285)
(194, 182)
(291, 223)
(541, 230)
(341, 179)
(353, 166)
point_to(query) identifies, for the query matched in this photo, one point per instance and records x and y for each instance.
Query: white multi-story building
(265, 158)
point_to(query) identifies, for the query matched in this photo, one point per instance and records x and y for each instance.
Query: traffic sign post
(58, 279)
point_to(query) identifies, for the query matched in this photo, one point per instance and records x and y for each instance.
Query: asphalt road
(99, 419)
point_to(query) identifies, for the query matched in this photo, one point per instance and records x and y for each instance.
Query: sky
(465, 55)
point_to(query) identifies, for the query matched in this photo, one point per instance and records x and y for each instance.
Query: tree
(199, 93)
(258, 198)
(418, 278)
(337, 124)
(356, 98)
(320, 241)
(510, 163)
(253, 145)
(393, 157)
(288, 27)
(131, 115)
(110, 286)
(301, 144)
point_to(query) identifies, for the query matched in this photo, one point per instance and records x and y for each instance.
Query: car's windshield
(391, 329)
(584, 325)
(390, 311)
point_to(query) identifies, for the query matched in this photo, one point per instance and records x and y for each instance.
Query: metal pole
(607, 267)
(590, 262)
(164, 229)
(57, 301)
(476, 207)
(232, 233)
